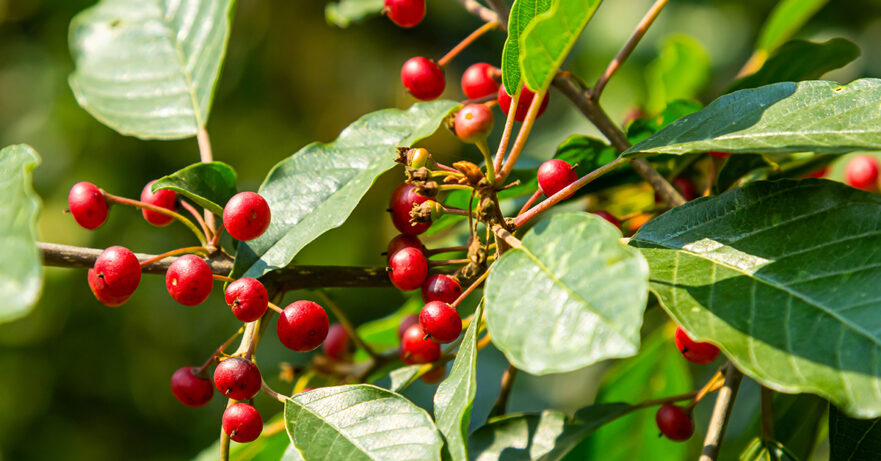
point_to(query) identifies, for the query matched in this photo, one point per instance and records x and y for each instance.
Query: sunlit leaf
(799, 60)
(210, 185)
(680, 72)
(522, 12)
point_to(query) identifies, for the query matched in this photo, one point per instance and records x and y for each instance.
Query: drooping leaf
(546, 436)
(680, 72)
(317, 188)
(148, 68)
(522, 12)
(549, 37)
(799, 60)
(767, 450)
(21, 271)
(570, 296)
(210, 185)
(852, 439)
(785, 20)
(811, 116)
(359, 422)
(781, 276)
(345, 12)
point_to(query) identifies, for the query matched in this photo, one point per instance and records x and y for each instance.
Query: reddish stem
(197, 216)
(469, 290)
(219, 351)
(535, 196)
(466, 42)
(168, 254)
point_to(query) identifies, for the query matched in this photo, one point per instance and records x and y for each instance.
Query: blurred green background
(80, 381)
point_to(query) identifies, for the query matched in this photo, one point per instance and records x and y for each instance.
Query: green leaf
(148, 68)
(797, 420)
(547, 436)
(21, 275)
(800, 60)
(785, 20)
(853, 439)
(812, 116)
(766, 450)
(782, 277)
(345, 12)
(642, 128)
(680, 72)
(402, 378)
(455, 395)
(522, 12)
(359, 422)
(547, 40)
(570, 296)
(210, 185)
(317, 188)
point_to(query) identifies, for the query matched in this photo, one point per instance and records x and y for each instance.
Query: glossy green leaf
(210, 185)
(767, 450)
(359, 422)
(680, 72)
(548, 38)
(345, 12)
(522, 12)
(782, 276)
(455, 395)
(546, 436)
(799, 60)
(148, 68)
(317, 188)
(21, 274)
(853, 439)
(570, 296)
(811, 116)
(785, 20)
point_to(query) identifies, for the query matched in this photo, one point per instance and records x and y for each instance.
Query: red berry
(302, 326)
(163, 198)
(336, 345)
(116, 275)
(403, 198)
(189, 280)
(237, 378)
(247, 298)
(423, 78)
(685, 187)
(523, 103)
(862, 172)
(674, 423)
(442, 288)
(473, 123)
(554, 175)
(405, 13)
(409, 269)
(242, 423)
(87, 205)
(190, 389)
(406, 323)
(246, 216)
(435, 375)
(478, 81)
(718, 154)
(415, 350)
(440, 321)
(403, 241)
(608, 217)
(96, 284)
(819, 173)
(695, 352)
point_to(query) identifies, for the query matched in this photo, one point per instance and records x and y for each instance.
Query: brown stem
(466, 42)
(474, 7)
(767, 414)
(506, 236)
(721, 411)
(198, 217)
(522, 135)
(271, 392)
(346, 323)
(501, 10)
(507, 384)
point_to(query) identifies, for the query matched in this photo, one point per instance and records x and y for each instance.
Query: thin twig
(203, 239)
(767, 414)
(474, 7)
(721, 412)
(346, 323)
(218, 351)
(466, 42)
(177, 252)
(272, 392)
(522, 135)
(507, 384)
(663, 400)
(535, 196)
(198, 217)
(501, 10)
(506, 236)
(506, 133)
(469, 290)
(206, 156)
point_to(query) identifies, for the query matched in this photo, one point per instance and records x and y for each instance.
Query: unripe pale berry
(336, 345)
(403, 241)
(246, 216)
(418, 157)
(247, 298)
(405, 13)
(406, 323)
(554, 175)
(87, 205)
(441, 287)
(163, 198)
(415, 349)
(440, 321)
(862, 172)
(473, 123)
(189, 280)
(696, 352)
(434, 376)
(242, 423)
(478, 81)
(423, 78)
(526, 97)
(408, 269)
(237, 378)
(190, 389)
(302, 326)
(115, 276)
(674, 423)
(608, 217)
(401, 203)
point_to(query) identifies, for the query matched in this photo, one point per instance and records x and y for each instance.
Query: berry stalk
(179, 251)
(534, 108)
(466, 42)
(146, 206)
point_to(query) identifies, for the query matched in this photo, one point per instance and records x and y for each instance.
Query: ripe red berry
(163, 198)
(409, 269)
(554, 175)
(819, 173)
(247, 298)
(190, 389)
(246, 216)
(608, 217)
(862, 172)
(96, 284)
(435, 375)
(478, 81)
(441, 288)
(695, 352)
(718, 154)
(406, 323)
(189, 280)
(237, 378)
(685, 187)
(302, 326)
(423, 78)
(523, 103)
(401, 203)
(242, 423)
(473, 123)
(674, 423)
(87, 205)
(403, 241)
(415, 350)
(115, 276)
(336, 345)
(405, 13)
(440, 321)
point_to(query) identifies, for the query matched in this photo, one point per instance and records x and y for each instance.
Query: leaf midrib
(179, 53)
